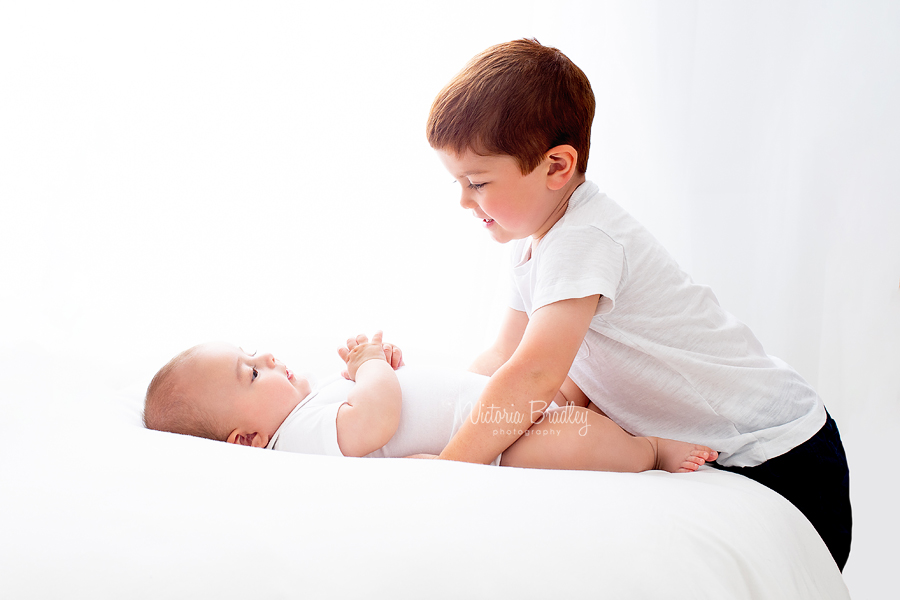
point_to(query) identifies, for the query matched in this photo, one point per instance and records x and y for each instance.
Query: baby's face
(248, 393)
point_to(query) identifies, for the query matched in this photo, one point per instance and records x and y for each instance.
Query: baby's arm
(371, 415)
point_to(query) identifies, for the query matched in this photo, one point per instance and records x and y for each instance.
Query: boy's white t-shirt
(435, 404)
(662, 357)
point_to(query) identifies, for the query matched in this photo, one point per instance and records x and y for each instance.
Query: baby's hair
(169, 407)
(518, 98)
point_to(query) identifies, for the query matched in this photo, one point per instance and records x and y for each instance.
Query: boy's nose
(269, 359)
(466, 202)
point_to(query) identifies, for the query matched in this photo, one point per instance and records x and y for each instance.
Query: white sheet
(94, 506)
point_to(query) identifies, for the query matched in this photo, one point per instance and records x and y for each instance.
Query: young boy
(218, 391)
(596, 298)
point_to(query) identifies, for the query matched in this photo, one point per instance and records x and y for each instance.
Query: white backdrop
(257, 172)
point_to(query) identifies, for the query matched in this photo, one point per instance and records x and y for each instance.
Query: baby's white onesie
(435, 404)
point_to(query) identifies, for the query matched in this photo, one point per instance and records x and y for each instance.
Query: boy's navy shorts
(815, 478)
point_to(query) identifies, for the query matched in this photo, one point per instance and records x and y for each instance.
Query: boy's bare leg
(574, 437)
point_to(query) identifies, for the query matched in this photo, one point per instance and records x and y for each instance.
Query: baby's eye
(476, 186)
(255, 374)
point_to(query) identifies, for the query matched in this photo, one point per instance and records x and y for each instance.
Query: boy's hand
(360, 350)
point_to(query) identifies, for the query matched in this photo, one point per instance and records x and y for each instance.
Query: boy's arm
(511, 331)
(371, 415)
(526, 383)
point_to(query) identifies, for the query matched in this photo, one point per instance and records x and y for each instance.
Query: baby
(379, 409)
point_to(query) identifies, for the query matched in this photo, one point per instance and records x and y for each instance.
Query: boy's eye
(476, 186)
(255, 374)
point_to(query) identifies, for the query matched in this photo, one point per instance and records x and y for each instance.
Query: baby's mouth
(289, 373)
(488, 221)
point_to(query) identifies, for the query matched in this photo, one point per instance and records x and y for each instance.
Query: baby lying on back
(384, 409)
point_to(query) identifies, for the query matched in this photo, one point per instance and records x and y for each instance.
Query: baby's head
(220, 392)
(518, 99)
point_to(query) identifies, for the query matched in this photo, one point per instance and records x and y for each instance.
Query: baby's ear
(242, 438)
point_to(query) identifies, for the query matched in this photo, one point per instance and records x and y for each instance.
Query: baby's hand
(393, 355)
(360, 350)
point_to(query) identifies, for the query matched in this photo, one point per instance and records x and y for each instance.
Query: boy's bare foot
(680, 457)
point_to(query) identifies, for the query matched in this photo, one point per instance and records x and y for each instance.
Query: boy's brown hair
(169, 407)
(518, 98)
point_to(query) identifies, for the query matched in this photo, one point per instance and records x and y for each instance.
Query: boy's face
(512, 206)
(250, 394)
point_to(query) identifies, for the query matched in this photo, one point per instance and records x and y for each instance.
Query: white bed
(95, 506)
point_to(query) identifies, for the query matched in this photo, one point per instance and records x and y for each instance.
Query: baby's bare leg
(577, 438)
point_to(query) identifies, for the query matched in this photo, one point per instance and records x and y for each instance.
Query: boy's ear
(563, 165)
(242, 438)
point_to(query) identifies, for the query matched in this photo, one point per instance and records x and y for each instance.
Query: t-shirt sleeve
(577, 262)
(312, 430)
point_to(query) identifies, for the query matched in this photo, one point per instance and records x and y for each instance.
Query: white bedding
(95, 506)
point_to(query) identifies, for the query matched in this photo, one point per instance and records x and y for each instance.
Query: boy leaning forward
(596, 298)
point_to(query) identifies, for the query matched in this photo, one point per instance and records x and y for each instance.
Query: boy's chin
(499, 235)
(503, 237)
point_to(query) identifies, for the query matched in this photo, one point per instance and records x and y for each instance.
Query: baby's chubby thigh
(575, 437)
(558, 440)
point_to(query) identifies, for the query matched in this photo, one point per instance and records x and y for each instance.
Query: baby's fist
(393, 355)
(360, 350)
